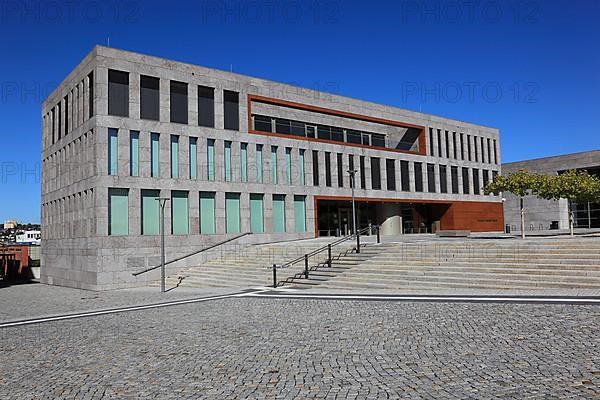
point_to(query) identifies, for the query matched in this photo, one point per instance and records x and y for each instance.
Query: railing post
(357, 242)
(275, 276)
(329, 255)
(306, 266)
(378, 235)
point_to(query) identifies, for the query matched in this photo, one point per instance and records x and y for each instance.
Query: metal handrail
(326, 247)
(194, 253)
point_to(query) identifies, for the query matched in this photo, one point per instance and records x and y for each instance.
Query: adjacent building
(237, 154)
(553, 214)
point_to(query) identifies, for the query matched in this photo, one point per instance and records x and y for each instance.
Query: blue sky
(528, 68)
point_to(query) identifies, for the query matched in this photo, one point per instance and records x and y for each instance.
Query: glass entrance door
(345, 221)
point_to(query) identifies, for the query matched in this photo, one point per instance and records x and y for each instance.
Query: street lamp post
(162, 201)
(352, 173)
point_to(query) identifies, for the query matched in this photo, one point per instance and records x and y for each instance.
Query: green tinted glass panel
(278, 213)
(227, 162)
(210, 159)
(207, 213)
(300, 213)
(232, 212)
(259, 163)
(118, 212)
(113, 151)
(288, 165)
(150, 212)
(154, 156)
(134, 151)
(174, 156)
(193, 158)
(179, 213)
(301, 167)
(274, 165)
(256, 213)
(244, 162)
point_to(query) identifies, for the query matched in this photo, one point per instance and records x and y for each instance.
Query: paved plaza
(251, 347)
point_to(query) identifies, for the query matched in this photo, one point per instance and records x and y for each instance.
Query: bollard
(306, 266)
(329, 255)
(378, 236)
(274, 275)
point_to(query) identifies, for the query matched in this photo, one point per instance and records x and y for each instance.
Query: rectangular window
(454, 149)
(256, 213)
(439, 137)
(193, 158)
(340, 170)
(363, 177)
(404, 176)
(390, 169)
(210, 159)
(353, 136)
(301, 167)
(59, 126)
(486, 177)
(118, 212)
(232, 212)
(288, 165)
(375, 173)
(278, 213)
(462, 146)
(206, 106)
(447, 137)
(418, 177)
(227, 161)
(489, 150)
(469, 147)
(454, 179)
(259, 163)
(300, 213)
(262, 123)
(134, 152)
(66, 115)
(431, 148)
(315, 163)
(377, 140)
(327, 169)
(207, 213)
(475, 147)
(149, 98)
(495, 152)
(154, 155)
(179, 213)
(431, 178)
(118, 93)
(482, 150)
(465, 174)
(150, 212)
(174, 156)
(91, 94)
(113, 151)
(231, 110)
(443, 179)
(274, 165)
(476, 187)
(244, 162)
(53, 122)
(179, 102)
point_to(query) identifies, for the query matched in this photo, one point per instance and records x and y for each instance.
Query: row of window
(118, 210)
(293, 170)
(118, 101)
(461, 146)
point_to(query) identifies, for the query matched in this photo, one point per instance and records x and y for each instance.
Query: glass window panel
(278, 213)
(174, 156)
(150, 212)
(207, 213)
(300, 213)
(118, 212)
(210, 159)
(179, 213)
(134, 149)
(244, 162)
(232, 212)
(113, 151)
(256, 213)
(154, 155)
(193, 158)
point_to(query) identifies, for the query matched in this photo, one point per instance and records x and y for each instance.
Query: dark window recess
(149, 98)
(495, 152)
(231, 108)
(431, 178)
(53, 122)
(454, 149)
(462, 146)
(363, 180)
(366, 139)
(489, 150)
(443, 179)
(297, 128)
(404, 176)
(390, 171)
(118, 93)
(340, 170)
(206, 106)
(310, 131)
(454, 179)
(283, 126)
(66, 115)
(431, 148)
(475, 148)
(262, 123)
(337, 134)
(179, 102)
(351, 168)
(324, 132)
(482, 151)
(465, 174)
(409, 140)
(439, 137)
(447, 137)
(328, 169)
(91, 95)
(418, 177)
(377, 140)
(315, 163)
(59, 121)
(476, 187)
(469, 147)
(353, 137)
(486, 177)
(375, 173)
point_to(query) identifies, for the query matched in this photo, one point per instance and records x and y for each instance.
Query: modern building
(553, 214)
(28, 237)
(237, 154)
(9, 224)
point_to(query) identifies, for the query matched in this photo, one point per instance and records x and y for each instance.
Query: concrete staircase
(471, 263)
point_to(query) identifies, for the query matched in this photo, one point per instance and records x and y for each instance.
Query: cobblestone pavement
(283, 348)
